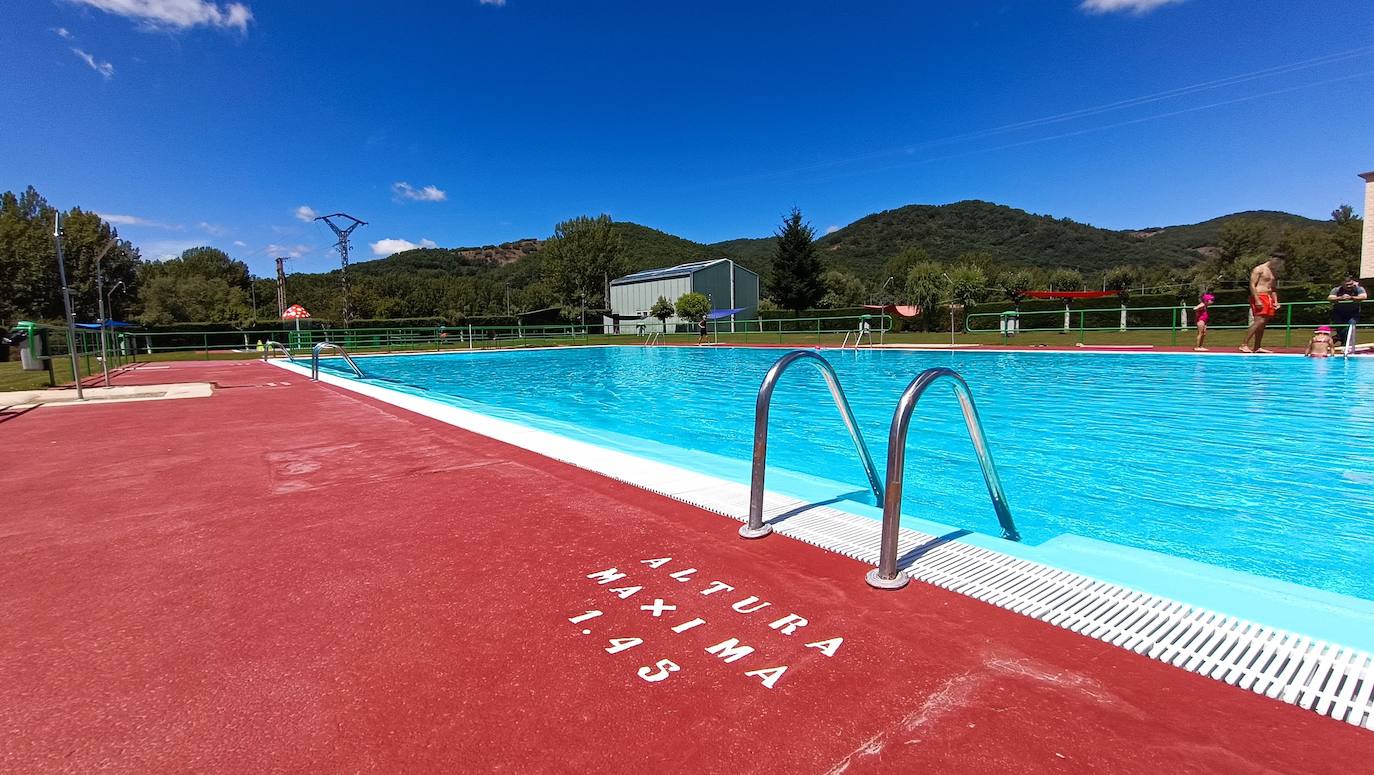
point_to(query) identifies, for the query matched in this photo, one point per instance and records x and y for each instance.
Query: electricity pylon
(342, 245)
(281, 286)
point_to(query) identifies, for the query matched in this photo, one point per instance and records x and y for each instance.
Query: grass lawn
(12, 378)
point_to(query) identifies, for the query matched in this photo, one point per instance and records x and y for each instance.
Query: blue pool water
(1263, 465)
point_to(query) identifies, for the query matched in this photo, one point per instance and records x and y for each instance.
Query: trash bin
(32, 339)
(1010, 323)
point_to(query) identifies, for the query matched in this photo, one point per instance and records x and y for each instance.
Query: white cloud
(238, 243)
(292, 251)
(212, 229)
(1137, 7)
(177, 14)
(104, 68)
(163, 250)
(404, 190)
(497, 3)
(305, 213)
(385, 247)
(63, 33)
(831, 229)
(134, 220)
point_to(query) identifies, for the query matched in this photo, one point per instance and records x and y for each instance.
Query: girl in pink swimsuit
(1202, 315)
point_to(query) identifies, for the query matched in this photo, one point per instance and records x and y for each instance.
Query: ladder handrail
(269, 344)
(755, 528)
(858, 335)
(885, 576)
(315, 359)
(653, 336)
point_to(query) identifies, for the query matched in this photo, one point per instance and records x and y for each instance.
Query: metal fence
(124, 347)
(1177, 320)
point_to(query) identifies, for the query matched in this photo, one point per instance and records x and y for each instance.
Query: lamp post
(109, 297)
(100, 303)
(109, 307)
(67, 303)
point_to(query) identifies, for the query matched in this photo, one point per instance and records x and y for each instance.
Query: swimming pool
(1262, 465)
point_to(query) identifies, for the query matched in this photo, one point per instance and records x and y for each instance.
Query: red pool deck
(287, 577)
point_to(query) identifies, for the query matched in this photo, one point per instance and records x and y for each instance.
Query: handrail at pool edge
(270, 344)
(886, 575)
(755, 528)
(315, 359)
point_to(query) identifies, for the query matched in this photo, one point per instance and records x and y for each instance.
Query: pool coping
(1327, 678)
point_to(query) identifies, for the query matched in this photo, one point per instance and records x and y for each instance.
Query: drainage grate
(1324, 677)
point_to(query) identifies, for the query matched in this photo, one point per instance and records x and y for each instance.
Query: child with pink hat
(1202, 315)
(1323, 344)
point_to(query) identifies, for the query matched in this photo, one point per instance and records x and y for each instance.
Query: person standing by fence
(1346, 300)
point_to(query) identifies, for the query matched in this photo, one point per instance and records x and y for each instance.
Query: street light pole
(67, 303)
(109, 297)
(100, 304)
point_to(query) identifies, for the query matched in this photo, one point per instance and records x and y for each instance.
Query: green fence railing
(123, 347)
(1175, 319)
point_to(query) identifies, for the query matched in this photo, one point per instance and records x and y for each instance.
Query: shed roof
(681, 270)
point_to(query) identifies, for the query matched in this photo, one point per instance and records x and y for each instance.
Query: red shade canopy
(896, 309)
(295, 311)
(1069, 294)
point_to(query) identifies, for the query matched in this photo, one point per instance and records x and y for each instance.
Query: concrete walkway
(286, 577)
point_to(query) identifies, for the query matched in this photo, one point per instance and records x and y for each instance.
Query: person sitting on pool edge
(1323, 344)
(1202, 315)
(1264, 301)
(1345, 308)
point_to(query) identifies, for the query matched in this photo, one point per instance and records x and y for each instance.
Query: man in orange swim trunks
(1264, 301)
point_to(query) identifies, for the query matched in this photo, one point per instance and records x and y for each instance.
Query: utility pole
(281, 286)
(342, 245)
(67, 303)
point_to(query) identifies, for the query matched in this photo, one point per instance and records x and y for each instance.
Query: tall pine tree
(795, 280)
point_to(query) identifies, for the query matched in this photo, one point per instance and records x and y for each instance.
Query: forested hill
(1016, 238)
(1199, 236)
(1011, 237)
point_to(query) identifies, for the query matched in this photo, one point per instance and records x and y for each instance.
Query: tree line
(572, 271)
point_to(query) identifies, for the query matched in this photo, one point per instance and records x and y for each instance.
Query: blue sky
(468, 122)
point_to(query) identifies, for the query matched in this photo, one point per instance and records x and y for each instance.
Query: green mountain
(1010, 237)
(1207, 233)
(1016, 238)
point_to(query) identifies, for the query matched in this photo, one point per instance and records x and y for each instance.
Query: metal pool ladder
(270, 345)
(858, 338)
(315, 359)
(886, 576)
(755, 527)
(889, 492)
(655, 336)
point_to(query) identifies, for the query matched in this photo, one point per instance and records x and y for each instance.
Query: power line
(1103, 127)
(1116, 105)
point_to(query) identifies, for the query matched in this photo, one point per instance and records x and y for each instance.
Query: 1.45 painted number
(665, 667)
(660, 670)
